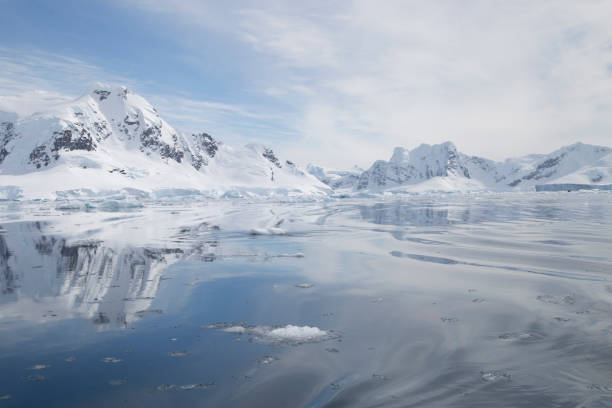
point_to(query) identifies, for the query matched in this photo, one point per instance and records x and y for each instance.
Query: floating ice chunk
(289, 334)
(34, 378)
(70, 359)
(493, 376)
(40, 366)
(266, 360)
(111, 360)
(304, 285)
(267, 231)
(524, 336)
(300, 333)
(179, 353)
(557, 300)
(186, 387)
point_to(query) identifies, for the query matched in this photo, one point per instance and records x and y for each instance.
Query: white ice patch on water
(267, 231)
(289, 334)
(300, 333)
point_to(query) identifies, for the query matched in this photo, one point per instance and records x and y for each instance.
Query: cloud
(343, 82)
(498, 78)
(33, 80)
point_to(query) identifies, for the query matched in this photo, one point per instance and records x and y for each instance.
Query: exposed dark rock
(7, 133)
(69, 141)
(102, 94)
(151, 138)
(39, 156)
(269, 154)
(206, 145)
(130, 122)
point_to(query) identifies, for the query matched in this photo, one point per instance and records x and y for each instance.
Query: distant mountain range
(443, 168)
(112, 141)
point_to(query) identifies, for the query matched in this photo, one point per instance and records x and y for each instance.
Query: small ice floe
(5, 397)
(179, 353)
(186, 387)
(304, 285)
(493, 376)
(34, 378)
(478, 300)
(377, 300)
(40, 366)
(116, 383)
(557, 300)
(70, 359)
(296, 255)
(449, 319)
(561, 319)
(332, 350)
(520, 336)
(266, 360)
(267, 231)
(111, 360)
(277, 335)
(173, 339)
(380, 377)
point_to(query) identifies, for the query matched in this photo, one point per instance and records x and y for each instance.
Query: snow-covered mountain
(111, 139)
(336, 179)
(443, 168)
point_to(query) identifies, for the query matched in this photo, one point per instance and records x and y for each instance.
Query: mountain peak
(101, 91)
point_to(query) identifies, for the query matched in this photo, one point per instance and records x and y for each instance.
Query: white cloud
(360, 77)
(33, 80)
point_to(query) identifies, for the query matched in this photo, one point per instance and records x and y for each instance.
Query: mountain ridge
(111, 139)
(442, 167)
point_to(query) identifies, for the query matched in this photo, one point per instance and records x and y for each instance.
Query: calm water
(458, 301)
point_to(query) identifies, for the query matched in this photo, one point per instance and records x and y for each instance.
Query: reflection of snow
(45, 277)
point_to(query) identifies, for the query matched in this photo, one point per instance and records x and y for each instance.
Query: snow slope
(111, 139)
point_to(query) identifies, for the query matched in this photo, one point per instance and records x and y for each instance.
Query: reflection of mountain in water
(46, 276)
(402, 213)
(422, 214)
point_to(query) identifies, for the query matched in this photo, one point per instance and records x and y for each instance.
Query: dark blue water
(441, 301)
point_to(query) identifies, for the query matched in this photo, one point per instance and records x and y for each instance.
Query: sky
(334, 83)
